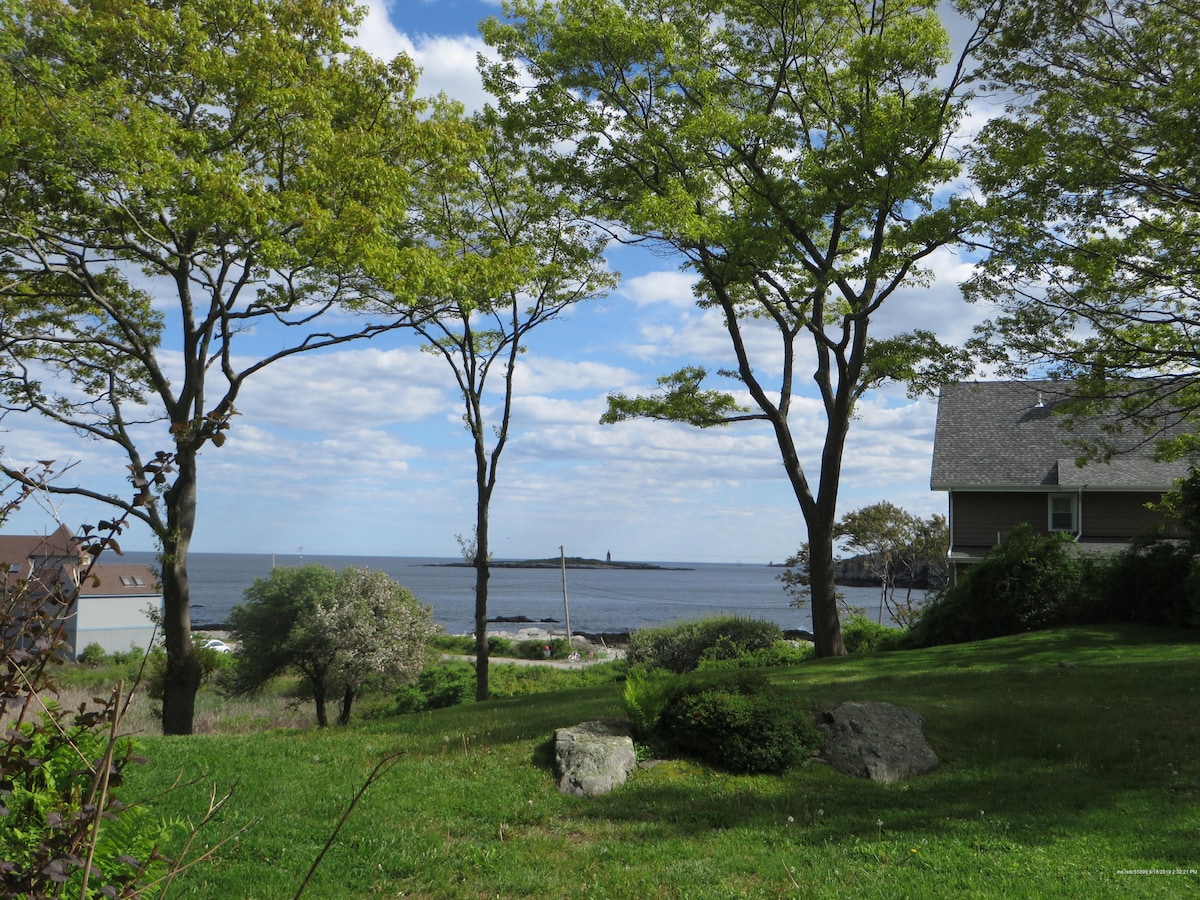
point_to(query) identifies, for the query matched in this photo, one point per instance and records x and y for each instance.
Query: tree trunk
(819, 512)
(318, 689)
(347, 702)
(827, 628)
(182, 679)
(482, 574)
(819, 518)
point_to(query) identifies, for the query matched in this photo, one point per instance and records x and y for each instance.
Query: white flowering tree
(341, 632)
(375, 630)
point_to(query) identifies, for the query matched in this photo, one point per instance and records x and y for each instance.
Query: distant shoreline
(604, 638)
(572, 562)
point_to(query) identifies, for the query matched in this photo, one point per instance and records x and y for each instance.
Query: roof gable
(17, 548)
(1008, 435)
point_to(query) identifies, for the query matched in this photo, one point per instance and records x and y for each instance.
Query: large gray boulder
(593, 758)
(879, 741)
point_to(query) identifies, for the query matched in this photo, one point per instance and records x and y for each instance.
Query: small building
(1005, 457)
(109, 604)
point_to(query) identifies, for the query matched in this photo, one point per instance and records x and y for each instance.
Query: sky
(362, 451)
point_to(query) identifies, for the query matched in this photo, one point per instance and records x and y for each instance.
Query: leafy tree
(794, 154)
(927, 555)
(898, 546)
(1093, 206)
(340, 631)
(264, 623)
(523, 255)
(879, 531)
(377, 629)
(173, 178)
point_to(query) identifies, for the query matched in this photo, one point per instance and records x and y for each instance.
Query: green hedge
(683, 646)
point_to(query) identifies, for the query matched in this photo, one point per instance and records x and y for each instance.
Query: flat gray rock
(880, 741)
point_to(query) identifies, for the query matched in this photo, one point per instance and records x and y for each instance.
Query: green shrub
(737, 722)
(460, 644)
(781, 653)
(132, 656)
(52, 800)
(499, 646)
(680, 647)
(1028, 582)
(215, 668)
(447, 683)
(559, 649)
(1154, 582)
(861, 635)
(93, 655)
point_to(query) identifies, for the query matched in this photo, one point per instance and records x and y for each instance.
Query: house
(1005, 457)
(110, 604)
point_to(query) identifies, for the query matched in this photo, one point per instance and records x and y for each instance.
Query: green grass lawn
(1056, 780)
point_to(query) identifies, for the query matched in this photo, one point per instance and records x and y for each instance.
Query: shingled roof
(23, 558)
(122, 580)
(1005, 435)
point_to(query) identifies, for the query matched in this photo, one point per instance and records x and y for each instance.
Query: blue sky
(362, 451)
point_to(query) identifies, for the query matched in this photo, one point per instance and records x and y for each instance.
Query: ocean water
(599, 600)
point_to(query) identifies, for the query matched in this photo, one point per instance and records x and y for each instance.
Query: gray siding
(1119, 516)
(980, 516)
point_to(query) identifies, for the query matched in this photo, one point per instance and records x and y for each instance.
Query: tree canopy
(1093, 208)
(794, 154)
(175, 177)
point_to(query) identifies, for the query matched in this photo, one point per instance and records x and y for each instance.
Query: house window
(131, 580)
(1064, 512)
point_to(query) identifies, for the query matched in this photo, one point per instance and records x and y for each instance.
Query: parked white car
(219, 646)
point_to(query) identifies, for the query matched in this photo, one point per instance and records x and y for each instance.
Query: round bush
(93, 655)
(738, 723)
(861, 635)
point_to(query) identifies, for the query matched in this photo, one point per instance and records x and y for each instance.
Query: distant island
(573, 562)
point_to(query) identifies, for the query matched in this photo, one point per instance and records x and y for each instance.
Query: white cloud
(447, 62)
(540, 411)
(697, 335)
(543, 374)
(937, 306)
(672, 288)
(332, 391)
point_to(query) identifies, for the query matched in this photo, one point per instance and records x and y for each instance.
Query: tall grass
(1068, 761)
